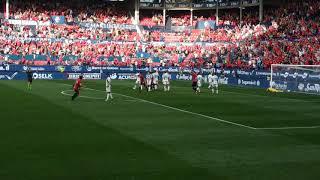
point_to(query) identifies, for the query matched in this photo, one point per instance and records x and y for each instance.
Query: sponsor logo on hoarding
(173, 69)
(85, 75)
(142, 69)
(42, 76)
(8, 76)
(208, 70)
(263, 73)
(33, 68)
(301, 87)
(240, 72)
(305, 75)
(112, 68)
(126, 69)
(76, 68)
(89, 68)
(223, 80)
(183, 77)
(285, 75)
(187, 70)
(312, 88)
(283, 86)
(60, 68)
(126, 76)
(315, 76)
(251, 82)
(113, 76)
(4, 68)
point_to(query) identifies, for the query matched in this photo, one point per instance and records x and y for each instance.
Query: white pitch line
(88, 97)
(177, 109)
(205, 116)
(293, 127)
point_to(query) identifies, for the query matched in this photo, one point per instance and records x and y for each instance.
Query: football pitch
(241, 133)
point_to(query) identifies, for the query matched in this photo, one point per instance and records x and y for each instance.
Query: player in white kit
(210, 78)
(166, 81)
(155, 80)
(213, 83)
(199, 83)
(137, 83)
(108, 89)
(149, 81)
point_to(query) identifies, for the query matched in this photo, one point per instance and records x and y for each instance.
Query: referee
(29, 78)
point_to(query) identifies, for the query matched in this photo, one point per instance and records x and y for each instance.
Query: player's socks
(168, 88)
(149, 89)
(217, 92)
(74, 96)
(212, 91)
(109, 95)
(155, 87)
(198, 90)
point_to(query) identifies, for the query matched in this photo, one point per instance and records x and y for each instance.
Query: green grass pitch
(242, 133)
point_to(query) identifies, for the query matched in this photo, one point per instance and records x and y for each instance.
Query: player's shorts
(155, 82)
(215, 85)
(194, 84)
(137, 81)
(30, 80)
(165, 82)
(108, 89)
(199, 84)
(149, 83)
(76, 91)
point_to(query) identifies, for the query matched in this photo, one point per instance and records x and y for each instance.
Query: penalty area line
(177, 109)
(96, 98)
(88, 97)
(205, 116)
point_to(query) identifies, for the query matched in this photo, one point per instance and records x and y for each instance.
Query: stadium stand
(292, 36)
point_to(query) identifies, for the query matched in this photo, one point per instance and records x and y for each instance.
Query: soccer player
(155, 80)
(142, 82)
(137, 83)
(194, 81)
(76, 87)
(166, 81)
(199, 82)
(108, 89)
(213, 82)
(29, 78)
(149, 81)
(210, 79)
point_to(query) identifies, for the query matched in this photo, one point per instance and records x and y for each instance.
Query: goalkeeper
(273, 90)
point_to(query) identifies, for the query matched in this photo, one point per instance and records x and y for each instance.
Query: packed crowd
(289, 35)
(73, 12)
